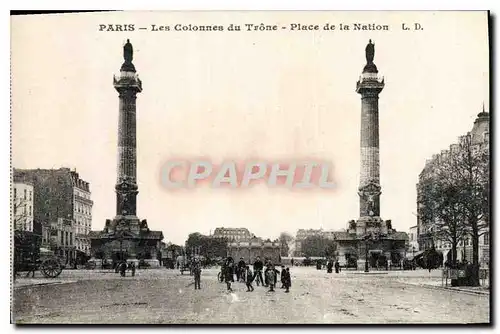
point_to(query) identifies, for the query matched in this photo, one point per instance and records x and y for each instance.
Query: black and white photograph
(250, 167)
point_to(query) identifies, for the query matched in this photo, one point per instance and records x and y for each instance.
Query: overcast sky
(237, 95)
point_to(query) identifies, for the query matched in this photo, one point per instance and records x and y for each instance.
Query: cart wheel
(51, 268)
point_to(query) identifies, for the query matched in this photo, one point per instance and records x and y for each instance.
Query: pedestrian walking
(240, 272)
(283, 272)
(197, 275)
(249, 279)
(271, 277)
(329, 267)
(287, 279)
(258, 266)
(337, 266)
(132, 268)
(229, 277)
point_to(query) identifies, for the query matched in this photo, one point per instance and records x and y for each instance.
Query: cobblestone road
(164, 296)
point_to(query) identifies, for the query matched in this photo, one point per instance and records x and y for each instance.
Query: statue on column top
(128, 56)
(370, 52)
(370, 67)
(128, 52)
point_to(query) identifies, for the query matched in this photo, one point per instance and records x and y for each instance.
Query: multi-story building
(427, 230)
(82, 213)
(22, 205)
(413, 239)
(232, 234)
(62, 205)
(250, 249)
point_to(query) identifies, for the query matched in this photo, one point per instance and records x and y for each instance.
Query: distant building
(232, 234)
(62, 205)
(22, 205)
(427, 229)
(413, 239)
(250, 248)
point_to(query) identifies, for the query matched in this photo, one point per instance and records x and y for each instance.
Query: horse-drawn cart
(28, 256)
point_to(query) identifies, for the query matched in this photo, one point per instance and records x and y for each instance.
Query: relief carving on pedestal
(369, 193)
(127, 188)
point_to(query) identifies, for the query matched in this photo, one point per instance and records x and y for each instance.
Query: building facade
(428, 229)
(82, 213)
(413, 239)
(22, 205)
(62, 207)
(232, 234)
(252, 248)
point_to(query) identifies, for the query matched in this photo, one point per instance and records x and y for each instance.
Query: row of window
(25, 225)
(66, 238)
(26, 197)
(17, 210)
(81, 230)
(82, 194)
(83, 208)
(83, 222)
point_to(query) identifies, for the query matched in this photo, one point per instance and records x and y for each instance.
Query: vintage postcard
(250, 167)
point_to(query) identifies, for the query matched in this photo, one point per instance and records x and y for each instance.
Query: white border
(492, 5)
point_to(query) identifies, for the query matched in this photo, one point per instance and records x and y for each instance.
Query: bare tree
(441, 207)
(471, 162)
(455, 196)
(20, 213)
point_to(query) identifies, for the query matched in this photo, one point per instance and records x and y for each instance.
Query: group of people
(245, 275)
(330, 265)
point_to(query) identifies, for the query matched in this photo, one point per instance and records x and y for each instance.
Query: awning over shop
(411, 256)
(46, 251)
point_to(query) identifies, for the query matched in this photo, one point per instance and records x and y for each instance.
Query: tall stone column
(369, 87)
(128, 85)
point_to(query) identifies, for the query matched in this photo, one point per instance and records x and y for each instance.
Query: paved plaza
(160, 296)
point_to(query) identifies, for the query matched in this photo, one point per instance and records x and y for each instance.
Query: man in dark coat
(132, 268)
(282, 278)
(286, 279)
(258, 266)
(329, 266)
(240, 273)
(249, 279)
(197, 274)
(229, 276)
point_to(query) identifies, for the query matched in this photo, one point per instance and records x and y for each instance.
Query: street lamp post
(367, 238)
(366, 257)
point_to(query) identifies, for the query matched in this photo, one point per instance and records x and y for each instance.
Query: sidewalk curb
(454, 289)
(43, 284)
